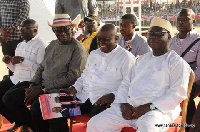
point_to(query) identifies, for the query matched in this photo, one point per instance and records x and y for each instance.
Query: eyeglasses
(150, 33)
(183, 20)
(62, 30)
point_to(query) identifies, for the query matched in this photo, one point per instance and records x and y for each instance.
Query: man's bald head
(187, 12)
(108, 28)
(107, 38)
(30, 22)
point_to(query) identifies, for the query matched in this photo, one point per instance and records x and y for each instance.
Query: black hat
(92, 18)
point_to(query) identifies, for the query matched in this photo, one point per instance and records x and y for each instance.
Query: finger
(28, 89)
(29, 101)
(108, 105)
(126, 116)
(26, 100)
(98, 103)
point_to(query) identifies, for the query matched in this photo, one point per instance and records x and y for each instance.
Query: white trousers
(111, 120)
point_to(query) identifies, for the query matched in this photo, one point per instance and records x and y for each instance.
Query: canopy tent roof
(40, 13)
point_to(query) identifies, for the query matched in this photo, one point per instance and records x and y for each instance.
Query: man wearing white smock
(152, 92)
(104, 71)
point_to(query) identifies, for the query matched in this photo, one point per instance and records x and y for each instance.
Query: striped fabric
(13, 12)
(62, 20)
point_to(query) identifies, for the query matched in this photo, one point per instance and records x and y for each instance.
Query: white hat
(159, 22)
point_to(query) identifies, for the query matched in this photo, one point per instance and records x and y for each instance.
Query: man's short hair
(92, 18)
(132, 18)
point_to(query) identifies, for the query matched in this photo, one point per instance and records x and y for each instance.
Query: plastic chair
(78, 119)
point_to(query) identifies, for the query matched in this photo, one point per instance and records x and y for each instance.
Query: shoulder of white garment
(174, 59)
(126, 52)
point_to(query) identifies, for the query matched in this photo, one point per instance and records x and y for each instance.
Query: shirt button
(128, 96)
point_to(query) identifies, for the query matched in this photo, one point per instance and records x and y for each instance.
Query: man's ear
(116, 38)
(169, 36)
(35, 30)
(194, 21)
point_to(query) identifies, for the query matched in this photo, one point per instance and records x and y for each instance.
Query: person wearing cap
(28, 56)
(75, 7)
(179, 43)
(129, 38)
(91, 25)
(64, 61)
(105, 69)
(152, 92)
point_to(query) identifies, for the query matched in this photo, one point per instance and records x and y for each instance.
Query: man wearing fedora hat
(150, 94)
(64, 61)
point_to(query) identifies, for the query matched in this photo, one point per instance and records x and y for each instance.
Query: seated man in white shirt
(104, 71)
(28, 55)
(153, 90)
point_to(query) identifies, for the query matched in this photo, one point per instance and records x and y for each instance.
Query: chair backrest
(185, 104)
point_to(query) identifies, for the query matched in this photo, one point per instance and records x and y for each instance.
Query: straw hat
(159, 22)
(61, 20)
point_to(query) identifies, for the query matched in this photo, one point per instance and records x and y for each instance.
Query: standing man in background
(129, 39)
(75, 7)
(179, 43)
(13, 13)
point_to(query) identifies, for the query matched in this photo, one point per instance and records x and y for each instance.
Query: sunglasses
(150, 33)
(62, 30)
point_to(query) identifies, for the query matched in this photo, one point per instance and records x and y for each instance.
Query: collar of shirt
(92, 35)
(194, 31)
(32, 39)
(113, 51)
(131, 38)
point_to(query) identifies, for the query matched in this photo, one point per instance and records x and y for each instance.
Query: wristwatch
(21, 60)
(152, 107)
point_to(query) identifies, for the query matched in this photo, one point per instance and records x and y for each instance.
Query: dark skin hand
(6, 33)
(16, 59)
(128, 110)
(6, 59)
(71, 90)
(106, 99)
(80, 37)
(32, 93)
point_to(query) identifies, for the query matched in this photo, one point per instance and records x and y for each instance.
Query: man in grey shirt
(75, 7)
(130, 40)
(64, 61)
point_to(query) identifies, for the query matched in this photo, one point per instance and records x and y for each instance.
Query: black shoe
(26, 129)
(14, 128)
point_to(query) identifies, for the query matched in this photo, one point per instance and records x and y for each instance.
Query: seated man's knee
(35, 110)
(92, 123)
(7, 98)
(150, 123)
